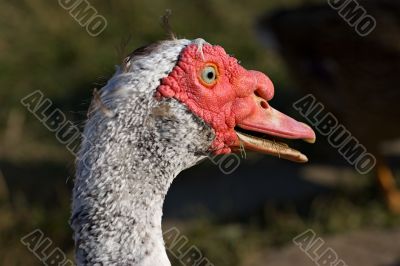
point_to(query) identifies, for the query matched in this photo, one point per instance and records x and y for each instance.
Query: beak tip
(303, 159)
(310, 140)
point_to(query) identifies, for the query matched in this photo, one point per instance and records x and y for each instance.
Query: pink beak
(267, 120)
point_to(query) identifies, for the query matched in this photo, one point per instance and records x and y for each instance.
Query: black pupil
(210, 75)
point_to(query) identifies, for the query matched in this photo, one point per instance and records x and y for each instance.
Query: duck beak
(258, 132)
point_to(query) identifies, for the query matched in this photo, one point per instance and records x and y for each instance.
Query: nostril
(257, 94)
(264, 104)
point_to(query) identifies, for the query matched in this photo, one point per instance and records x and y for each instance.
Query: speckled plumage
(128, 159)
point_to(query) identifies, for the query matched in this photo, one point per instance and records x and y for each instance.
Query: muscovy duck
(165, 108)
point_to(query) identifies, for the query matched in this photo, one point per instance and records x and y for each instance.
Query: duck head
(233, 101)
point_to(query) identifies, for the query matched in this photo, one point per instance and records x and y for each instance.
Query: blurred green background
(43, 47)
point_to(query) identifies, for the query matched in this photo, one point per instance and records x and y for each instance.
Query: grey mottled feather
(128, 160)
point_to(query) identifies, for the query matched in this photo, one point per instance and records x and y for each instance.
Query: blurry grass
(39, 197)
(43, 47)
(235, 243)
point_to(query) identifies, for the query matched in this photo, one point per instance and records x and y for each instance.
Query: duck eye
(209, 75)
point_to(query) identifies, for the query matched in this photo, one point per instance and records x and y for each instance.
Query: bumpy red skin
(222, 105)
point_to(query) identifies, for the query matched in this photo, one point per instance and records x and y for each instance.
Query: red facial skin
(223, 104)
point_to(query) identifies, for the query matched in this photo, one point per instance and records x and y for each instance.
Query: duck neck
(117, 209)
(133, 147)
(121, 184)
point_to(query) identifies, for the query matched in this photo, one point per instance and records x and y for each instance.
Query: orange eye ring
(209, 74)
